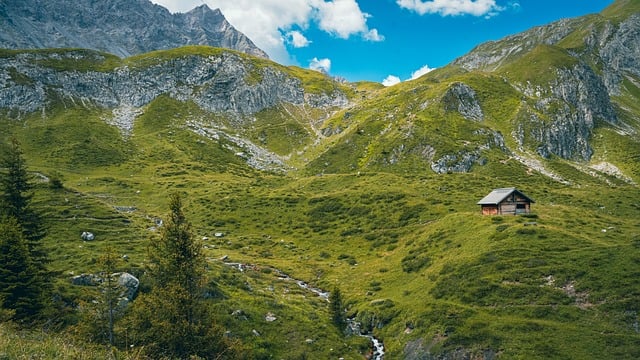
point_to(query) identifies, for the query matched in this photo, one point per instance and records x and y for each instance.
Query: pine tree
(336, 307)
(20, 284)
(111, 290)
(15, 202)
(30, 284)
(176, 257)
(98, 318)
(173, 319)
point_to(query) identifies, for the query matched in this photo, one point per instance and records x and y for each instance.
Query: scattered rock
(125, 208)
(86, 280)
(270, 317)
(130, 284)
(462, 98)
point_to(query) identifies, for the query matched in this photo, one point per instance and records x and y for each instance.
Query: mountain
(119, 27)
(290, 175)
(549, 92)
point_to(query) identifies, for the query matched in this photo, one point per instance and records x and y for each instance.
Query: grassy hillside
(410, 252)
(355, 204)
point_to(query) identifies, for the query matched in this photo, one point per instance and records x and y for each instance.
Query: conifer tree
(20, 284)
(15, 202)
(336, 308)
(16, 213)
(173, 319)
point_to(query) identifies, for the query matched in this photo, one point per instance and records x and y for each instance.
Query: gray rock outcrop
(127, 284)
(572, 104)
(120, 27)
(223, 82)
(567, 109)
(462, 98)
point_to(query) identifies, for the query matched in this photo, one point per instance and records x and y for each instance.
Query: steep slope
(266, 110)
(119, 27)
(550, 92)
(383, 206)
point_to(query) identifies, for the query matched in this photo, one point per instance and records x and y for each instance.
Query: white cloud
(452, 7)
(423, 70)
(322, 65)
(373, 35)
(297, 39)
(391, 80)
(265, 21)
(342, 18)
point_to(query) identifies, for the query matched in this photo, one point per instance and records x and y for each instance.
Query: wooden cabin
(506, 201)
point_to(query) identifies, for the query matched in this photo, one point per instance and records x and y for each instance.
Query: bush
(415, 262)
(55, 181)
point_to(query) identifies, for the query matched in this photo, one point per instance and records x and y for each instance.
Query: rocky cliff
(120, 27)
(219, 82)
(585, 62)
(533, 96)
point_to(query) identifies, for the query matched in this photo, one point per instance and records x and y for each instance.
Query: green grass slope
(360, 209)
(416, 262)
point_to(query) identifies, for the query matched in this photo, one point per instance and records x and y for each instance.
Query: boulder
(129, 283)
(87, 236)
(270, 317)
(86, 280)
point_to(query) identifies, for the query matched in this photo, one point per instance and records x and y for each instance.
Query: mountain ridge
(560, 91)
(370, 189)
(124, 28)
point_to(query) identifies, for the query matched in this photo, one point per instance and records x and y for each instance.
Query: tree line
(169, 321)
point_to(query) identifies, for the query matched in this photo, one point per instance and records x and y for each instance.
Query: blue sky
(382, 40)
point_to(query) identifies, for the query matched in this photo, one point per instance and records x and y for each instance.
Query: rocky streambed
(354, 326)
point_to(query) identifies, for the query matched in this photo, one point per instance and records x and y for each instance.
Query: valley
(351, 186)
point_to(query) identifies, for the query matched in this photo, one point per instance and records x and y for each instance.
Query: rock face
(573, 103)
(120, 27)
(462, 98)
(568, 107)
(222, 82)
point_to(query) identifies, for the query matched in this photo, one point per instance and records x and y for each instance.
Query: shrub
(415, 262)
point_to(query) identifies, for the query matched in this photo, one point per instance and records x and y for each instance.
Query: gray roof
(497, 195)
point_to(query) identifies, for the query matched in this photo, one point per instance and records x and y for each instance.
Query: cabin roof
(497, 195)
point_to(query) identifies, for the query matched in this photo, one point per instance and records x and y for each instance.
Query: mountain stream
(377, 345)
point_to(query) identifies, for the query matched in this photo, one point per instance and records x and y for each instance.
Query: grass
(404, 249)
(415, 261)
(24, 344)
(81, 60)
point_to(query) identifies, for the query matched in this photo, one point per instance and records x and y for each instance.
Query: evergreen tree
(176, 257)
(15, 202)
(20, 285)
(98, 318)
(27, 284)
(337, 308)
(110, 290)
(173, 319)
